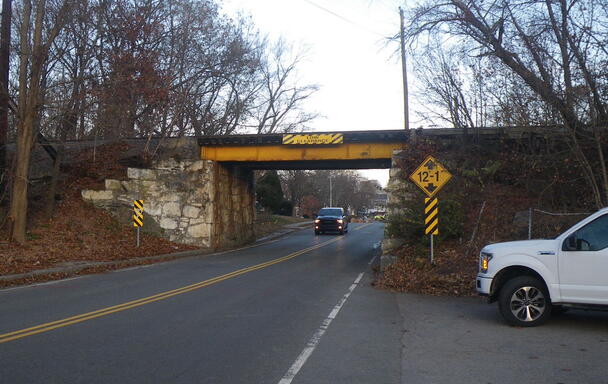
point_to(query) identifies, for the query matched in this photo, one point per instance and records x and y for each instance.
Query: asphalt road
(464, 340)
(299, 309)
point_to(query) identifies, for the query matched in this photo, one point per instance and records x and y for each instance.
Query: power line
(406, 113)
(384, 4)
(343, 18)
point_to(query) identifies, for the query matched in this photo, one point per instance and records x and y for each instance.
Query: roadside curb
(84, 265)
(80, 266)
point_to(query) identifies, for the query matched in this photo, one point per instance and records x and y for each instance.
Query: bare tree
(140, 68)
(297, 184)
(557, 48)
(445, 89)
(169, 67)
(5, 41)
(32, 58)
(349, 190)
(280, 106)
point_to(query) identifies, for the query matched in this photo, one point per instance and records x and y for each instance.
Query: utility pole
(330, 192)
(406, 114)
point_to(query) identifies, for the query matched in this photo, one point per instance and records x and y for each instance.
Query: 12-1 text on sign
(430, 176)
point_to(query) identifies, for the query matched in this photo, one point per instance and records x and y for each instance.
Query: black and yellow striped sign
(311, 139)
(431, 216)
(138, 213)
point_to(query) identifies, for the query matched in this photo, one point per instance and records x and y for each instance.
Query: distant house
(379, 203)
(380, 200)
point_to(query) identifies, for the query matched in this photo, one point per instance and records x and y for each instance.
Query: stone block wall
(399, 189)
(191, 202)
(235, 199)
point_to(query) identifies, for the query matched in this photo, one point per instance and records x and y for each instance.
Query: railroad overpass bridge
(314, 150)
(207, 197)
(236, 157)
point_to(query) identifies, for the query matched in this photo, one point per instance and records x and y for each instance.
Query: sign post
(431, 219)
(138, 216)
(430, 177)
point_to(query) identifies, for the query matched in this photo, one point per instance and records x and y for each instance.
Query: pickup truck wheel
(524, 301)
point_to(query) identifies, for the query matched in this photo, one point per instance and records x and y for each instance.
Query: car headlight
(340, 221)
(484, 261)
(317, 221)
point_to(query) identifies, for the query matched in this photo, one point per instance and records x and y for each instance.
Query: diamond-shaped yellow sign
(430, 176)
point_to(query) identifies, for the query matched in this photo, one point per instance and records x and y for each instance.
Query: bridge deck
(350, 137)
(357, 150)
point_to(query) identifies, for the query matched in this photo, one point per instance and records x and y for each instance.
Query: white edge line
(372, 260)
(314, 340)
(134, 268)
(9, 289)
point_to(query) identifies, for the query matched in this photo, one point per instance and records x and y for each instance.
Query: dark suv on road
(331, 219)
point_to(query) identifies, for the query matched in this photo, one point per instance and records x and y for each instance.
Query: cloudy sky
(348, 56)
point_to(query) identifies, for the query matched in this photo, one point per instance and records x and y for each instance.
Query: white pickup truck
(532, 278)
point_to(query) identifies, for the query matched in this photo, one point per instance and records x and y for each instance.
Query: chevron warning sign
(138, 213)
(431, 216)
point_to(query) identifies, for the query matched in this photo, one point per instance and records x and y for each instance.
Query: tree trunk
(587, 170)
(50, 205)
(603, 170)
(18, 210)
(5, 38)
(29, 92)
(34, 56)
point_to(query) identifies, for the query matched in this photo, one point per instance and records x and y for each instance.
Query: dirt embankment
(77, 231)
(456, 260)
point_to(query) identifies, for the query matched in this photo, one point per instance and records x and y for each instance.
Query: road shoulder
(362, 344)
(70, 269)
(464, 340)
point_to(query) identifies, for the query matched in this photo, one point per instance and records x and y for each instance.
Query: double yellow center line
(46, 327)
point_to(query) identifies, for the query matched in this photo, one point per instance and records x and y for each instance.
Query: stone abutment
(200, 202)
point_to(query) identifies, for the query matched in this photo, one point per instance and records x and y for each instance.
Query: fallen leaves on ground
(78, 231)
(452, 274)
(456, 261)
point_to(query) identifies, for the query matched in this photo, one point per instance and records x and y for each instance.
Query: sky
(347, 55)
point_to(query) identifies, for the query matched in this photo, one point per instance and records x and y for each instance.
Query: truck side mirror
(570, 244)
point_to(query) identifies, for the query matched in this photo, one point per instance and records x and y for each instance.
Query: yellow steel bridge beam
(354, 151)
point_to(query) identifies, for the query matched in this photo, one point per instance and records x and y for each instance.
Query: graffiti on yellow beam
(313, 138)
